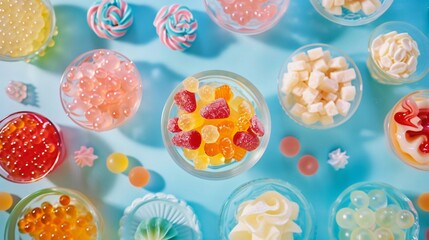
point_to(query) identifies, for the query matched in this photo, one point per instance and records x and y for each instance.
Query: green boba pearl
(364, 217)
(385, 217)
(362, 234)
(377, 199)
(359, 199)
(345, 218)
(344, 234)
(384, 234)
(404, 219)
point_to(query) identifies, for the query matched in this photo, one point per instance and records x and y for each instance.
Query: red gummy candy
(173, 126)
(190, 140)
(185, 100)
(218, 109)
(256, 126)
(246, 140)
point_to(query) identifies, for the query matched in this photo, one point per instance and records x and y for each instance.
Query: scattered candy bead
(218, 109)
(308, 165)
(139, 177)
(85, 156)
(110, 19)
(16, 91)
(362, 233)
(176, 27)
(290, 146)
(117, 162)
(30, 147)
(423, 201)
(6, 201)
(383, 234)
(185, 100)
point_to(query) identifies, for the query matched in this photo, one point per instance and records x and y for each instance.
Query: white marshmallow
(309, 95)
(344, 76)
(310, 118)
(353, 6)
(328, 85)
(298, 109)
(315, 78)
(368, 7)
(320, 65)
(339, 3)
(290, 79)
(327, 56)
(315, 107)
(331, 109)
(299, 89)
(296, 66)
(326, 120)
(303, 75)
(335, 10)
(327, 3)
(348, 93)
(315, 53)
(398, 67)
(343, 106)
(300, 57)
(338, 63)
(329, 96)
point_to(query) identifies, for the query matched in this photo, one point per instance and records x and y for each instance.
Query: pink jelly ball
(290, 146)
(308, 165)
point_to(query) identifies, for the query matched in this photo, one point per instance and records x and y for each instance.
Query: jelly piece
(211, 149)
(117, 162)
(139, 177)
(246, 140)
(190, 140)
(290, 146)
(190, 154)
(64, 200)
(383, 234)
(6, 201)
(217, 109)
(189, 121)
(227, 148)
(217, 160)
(362, 234)
(359, 199)
(185, 100)
(207, 93)
(411, 111)
(224, 92)
(191, 84)
(246, 109)
(155, 228)
(210, 134)
(71, 210)
(47, 207)
(423, 201)
(201, 162)
(365, 217)
(36, 212)
(377, 199)
(173, 126)
(239, 153)
(29, 227)
(404, 219)
(345, 218)
(256, 126)
(226, 128)
(243, 123)
(308, 165)
(385, 217)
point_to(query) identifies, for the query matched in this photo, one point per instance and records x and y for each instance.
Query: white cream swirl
(269, 217)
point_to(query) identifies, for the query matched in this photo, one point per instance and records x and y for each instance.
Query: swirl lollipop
(110, 19)
(176, 27)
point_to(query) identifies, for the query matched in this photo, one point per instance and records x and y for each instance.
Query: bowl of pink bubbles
(100, 90)
(246, 16)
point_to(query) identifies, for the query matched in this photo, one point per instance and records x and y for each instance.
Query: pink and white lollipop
(176, 27)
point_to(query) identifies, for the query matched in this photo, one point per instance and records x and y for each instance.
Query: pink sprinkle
(308, 165)
(290, 146)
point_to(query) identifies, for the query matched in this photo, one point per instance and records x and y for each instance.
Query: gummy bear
(173, 125)
(210, 133)
(191, 84)
(191, 139)
(211, 149)
(207, 93)
(186, 100)
(246, 140)
(218, 109)
(226, 148)
(256, 126)
(224, 92)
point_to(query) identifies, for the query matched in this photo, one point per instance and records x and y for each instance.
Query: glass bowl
(394, 197)
(50, 195)
(240, 87)
(241, 16)
(255, 188)
(423, 44)
(48, 31)
(406, 148)
(30, 131)
(101, 90)
(163, 206)
(287, 100)
(348, 18)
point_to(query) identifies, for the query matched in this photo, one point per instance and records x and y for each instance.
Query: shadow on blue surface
(142, 31)
(32, 99)
(209, 221)
(132, 163)
(73, 30)
(157, 182)
(112, 216)
(158, 82)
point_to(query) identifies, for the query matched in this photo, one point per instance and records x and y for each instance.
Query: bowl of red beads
(101, 90)
(246, 16)
(216, 124)
(54, 213)
(31, 147)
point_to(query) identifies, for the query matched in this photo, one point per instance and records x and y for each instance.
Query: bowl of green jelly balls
(373, 211)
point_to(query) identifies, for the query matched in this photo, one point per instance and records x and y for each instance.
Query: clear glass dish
(423, 63)
(255, 188)
(241, 87)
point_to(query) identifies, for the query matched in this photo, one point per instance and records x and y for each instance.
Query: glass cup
(395, 202)
(408, 141)
(46, 16)
(423, 44)
(101, 90)
(23, 131)
(241, 17)
(51, 195)
(254, 189)
(348, 18)
(240, 87)
(287, 100)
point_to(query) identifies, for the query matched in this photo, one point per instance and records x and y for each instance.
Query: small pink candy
(16, 91)
(98, 55)
(84, 96)
(96, 99)
(111, 62)
(112, 84)
(114, 96)
(86, 84)
(228, 9)
(66, 87)
(115, 111)
(92, 114)
(270, 10)
(226, 2)
(100, 73)
(129, 82)
(126, 109)
(235, 16)
(87, 69)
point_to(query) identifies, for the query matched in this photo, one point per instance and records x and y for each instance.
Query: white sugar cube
(368, 7)
(338, 3)
(327, 3)
(344, 75)
(338, 63)
(327, 56)
(290, 79)
(299, 89)
(298, 109)
(348, 93)
(300, 57)
(331, 109)
(335, 10)
(329, 96)
(326, 120)
(320, 65)
(315, 107)
(343, 106)
(303, 75)
(315, 53)
(353, 6)
(296, 66)
(310, 118)
(328, 85)
(315, 79)
(309, 95)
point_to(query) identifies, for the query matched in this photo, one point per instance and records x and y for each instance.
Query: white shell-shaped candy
(398, 67)
(399, 55)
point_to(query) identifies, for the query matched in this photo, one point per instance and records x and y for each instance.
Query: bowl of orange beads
(216, 124)
(54, 213)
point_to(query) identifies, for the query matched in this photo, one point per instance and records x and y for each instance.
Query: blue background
(258, 58)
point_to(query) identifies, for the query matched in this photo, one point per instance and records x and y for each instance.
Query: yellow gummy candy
(201, 162)
(117, 162)
(207, 93)
(189, 121)
(217, 160)
(210, 133)
(191, 84)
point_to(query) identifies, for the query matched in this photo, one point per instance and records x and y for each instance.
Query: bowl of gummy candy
(215, 124)
(54, 213)
(351, 12)
(319, 86)
(246, 16)
(371, 210)
(101, 90)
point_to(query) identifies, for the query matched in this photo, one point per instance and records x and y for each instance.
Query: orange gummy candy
(224, 92)
(227, 148)
(226, 128)
(211, 149)
(239, 153)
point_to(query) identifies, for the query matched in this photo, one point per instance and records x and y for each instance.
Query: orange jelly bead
(64, 200)
(60, 212)
(91, 230)
(423, 201)
(211, 149)
(139, 177)
(21, 225)
(36, 212)
(224, 92)
(81, 221)
(89, 217)
(29, 227)
(46, 218)
(71, 211)
(45, 235)
(6, 200)
(239, 153)
(47, 207)
(226, 148)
